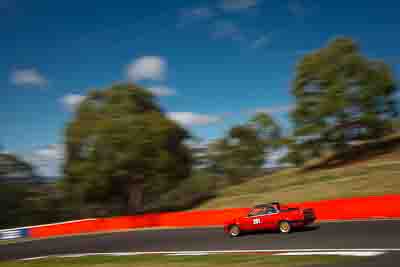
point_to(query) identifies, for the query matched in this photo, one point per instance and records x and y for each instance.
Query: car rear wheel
(234, 231)
(285, 227)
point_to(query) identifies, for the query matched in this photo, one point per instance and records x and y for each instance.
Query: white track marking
(282, 252)
(35, 258)
(338, 253)
(189, 254)
(85, 255)
(268, 251)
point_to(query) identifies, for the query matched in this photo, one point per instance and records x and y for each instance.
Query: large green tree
(267, 129)
(22, 194)
(239, 154)
(121, 146)
(243, 151)
(341, 96)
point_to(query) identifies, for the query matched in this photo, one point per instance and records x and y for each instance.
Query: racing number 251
(256, 221)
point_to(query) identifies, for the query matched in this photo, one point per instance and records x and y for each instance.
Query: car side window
(257, 212)
(271, 210)
(263, 211)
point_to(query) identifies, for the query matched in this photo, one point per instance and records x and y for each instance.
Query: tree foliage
(11, 165)
(267, 129)
(341, 96)
(121, 147)
(243, 151)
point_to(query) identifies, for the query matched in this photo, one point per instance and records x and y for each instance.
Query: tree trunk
(136, 195)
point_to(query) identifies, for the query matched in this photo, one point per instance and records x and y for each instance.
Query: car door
(246, 224)
(255, 220)
(270, 219)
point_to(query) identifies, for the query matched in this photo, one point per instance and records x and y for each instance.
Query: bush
(188, 194)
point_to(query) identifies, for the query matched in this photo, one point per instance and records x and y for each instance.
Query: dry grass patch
(377, 176)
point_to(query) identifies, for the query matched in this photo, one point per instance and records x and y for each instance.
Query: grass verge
(183, 261)
(13, 241)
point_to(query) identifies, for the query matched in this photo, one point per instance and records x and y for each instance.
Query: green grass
(378, 175)
(13, 241)
(183, 261)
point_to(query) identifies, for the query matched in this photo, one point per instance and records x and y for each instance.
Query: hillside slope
(377, 175)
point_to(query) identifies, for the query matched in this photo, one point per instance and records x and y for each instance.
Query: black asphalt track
(338, 235)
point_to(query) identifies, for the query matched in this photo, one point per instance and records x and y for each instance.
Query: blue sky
(212, 63)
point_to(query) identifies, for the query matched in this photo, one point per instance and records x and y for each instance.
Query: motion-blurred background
(111, 110)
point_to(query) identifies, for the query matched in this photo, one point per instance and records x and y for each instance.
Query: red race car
(271, 216)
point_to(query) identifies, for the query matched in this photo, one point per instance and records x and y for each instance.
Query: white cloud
(262, 41)
(55, 151)
(147, 68)
(227, 30)
(238, 5)
(72, 101)
(273, 110)
(191, 15)
(162, 91)
(28, 77)
(193, 119)
(48, 160)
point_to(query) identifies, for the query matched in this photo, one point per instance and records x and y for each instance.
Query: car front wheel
(234, 231)
(285, 227)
